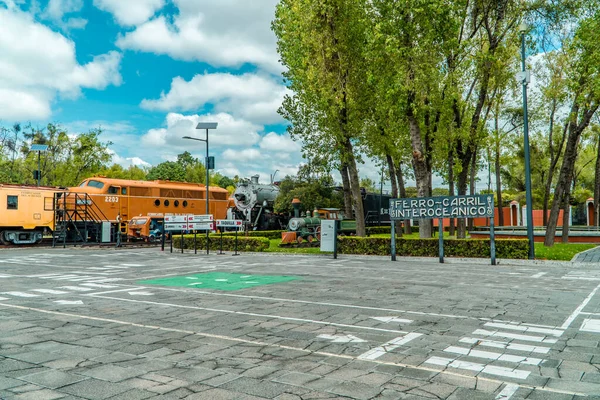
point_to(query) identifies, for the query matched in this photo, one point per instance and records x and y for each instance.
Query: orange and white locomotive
(78, 213)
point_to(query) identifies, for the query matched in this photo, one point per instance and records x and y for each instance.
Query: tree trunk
(359, 209)
(566, 219)
(392, 174)
(499, 184)
(402, 193)
(451, 230)
(347, 191)
(465, 159)
(564, 179)
(420, 167)
(596, 221)
(472, 188)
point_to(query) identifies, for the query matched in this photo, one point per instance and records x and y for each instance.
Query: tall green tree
(321, 45)
(168, 170)
(584, 98)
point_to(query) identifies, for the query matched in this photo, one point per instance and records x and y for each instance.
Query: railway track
(47, 243)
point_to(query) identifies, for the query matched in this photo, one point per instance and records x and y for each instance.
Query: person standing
(118, 230)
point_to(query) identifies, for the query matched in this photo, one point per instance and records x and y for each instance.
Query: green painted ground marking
(220, 281)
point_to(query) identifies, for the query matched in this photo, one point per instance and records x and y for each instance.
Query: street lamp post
(207, 126)
(39, 148)
(524, 77)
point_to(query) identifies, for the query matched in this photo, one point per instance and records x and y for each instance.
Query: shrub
(479, 248)
(375, 230)
(265, 234)
(244, 243)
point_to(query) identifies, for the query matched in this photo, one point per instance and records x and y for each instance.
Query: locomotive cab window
(113, 190)
(12, 202)
(123, 191)
(96, 184)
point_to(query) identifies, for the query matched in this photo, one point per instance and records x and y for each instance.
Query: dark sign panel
(443, 207)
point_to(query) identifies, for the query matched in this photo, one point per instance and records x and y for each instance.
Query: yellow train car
(128, 198)
(26, 213)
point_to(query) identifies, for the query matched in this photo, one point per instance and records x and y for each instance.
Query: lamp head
(523, 27)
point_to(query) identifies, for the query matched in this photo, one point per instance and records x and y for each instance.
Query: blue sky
(147, 71)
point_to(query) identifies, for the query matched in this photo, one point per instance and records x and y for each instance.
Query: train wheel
(300, 239)
(2, 240)
(310, 238)
(318, 233)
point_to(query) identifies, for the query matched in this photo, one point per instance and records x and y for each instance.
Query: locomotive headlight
(296, 223)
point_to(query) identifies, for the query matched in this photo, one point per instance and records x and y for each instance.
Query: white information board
(176, 222)
(199, 218)
(200, 222)
(328, 235)
(229, 223)
(200, 226)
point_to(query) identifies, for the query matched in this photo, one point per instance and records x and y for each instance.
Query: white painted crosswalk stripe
(387, 347)
(76, 288)
(553, 332)
(21, 294)
(69, 302)
(97, 285)
(508, 392)
(471, 366)
(590, 325)
(505, 345)
(49, 291)
(493, 356)
(527, 338)
(60, 277)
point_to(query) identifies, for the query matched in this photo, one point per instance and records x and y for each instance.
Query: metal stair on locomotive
(77, 219)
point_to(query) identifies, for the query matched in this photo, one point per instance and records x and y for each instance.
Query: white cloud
(242, 155)
(56, 9)
(10, 4)
(249, 96)
(244, 169)
(37, 64)
(17, 105)
(279, 143)
(224, 33)
(230, 132)
(127, 162)
(130, 12)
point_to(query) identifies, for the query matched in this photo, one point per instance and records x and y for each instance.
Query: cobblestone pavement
(80, 324)
(591, 256)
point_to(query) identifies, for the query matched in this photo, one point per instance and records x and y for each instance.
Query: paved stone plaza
(140, 323)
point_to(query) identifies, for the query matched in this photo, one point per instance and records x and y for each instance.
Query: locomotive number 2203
(111, 199)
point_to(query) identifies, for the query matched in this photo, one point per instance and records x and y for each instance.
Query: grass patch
(560, 251)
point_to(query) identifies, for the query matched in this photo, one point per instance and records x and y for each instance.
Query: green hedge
(477, 248)
(265, 234)
(376, 230)
(244, 243)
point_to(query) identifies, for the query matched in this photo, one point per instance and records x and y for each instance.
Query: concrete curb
(584, 252)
